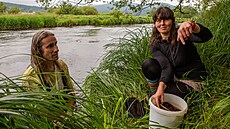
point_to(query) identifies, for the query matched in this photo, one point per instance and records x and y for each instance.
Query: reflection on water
(80, 47)
(88, 32)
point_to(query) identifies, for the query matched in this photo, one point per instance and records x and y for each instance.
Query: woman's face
(50, 48)
(164, 26)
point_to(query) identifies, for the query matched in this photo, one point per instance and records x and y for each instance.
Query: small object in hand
(192, 23)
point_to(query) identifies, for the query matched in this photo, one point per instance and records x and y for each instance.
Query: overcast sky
(33, 2)
(25, 2)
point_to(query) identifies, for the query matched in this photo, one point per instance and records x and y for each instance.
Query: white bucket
(167, 118)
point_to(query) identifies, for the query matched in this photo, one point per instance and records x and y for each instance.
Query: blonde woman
(47, 71)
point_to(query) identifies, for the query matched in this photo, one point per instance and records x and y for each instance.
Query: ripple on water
(94, 41)
(88, 32)
(26, 34)
(8, 37)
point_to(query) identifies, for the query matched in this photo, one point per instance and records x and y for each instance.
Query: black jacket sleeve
(167, 72)
(203, 36)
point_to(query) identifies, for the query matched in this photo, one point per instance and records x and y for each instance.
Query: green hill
(25, 8)
(105, 8)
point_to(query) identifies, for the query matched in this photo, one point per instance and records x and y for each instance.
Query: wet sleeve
(167, 72)
(203, 36)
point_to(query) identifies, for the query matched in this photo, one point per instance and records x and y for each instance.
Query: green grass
(43, 20)
(19, 22)
(27, 109)
(119, 77)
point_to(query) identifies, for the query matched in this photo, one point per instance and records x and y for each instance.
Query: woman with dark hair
(176, 54)
(46, 70)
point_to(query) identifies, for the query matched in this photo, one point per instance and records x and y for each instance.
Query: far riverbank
(44, 20)
(47, 20)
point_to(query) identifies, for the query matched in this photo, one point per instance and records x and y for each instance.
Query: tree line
(64, 8)
(68, 8)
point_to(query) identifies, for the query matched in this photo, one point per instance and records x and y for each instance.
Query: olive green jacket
(33, 81)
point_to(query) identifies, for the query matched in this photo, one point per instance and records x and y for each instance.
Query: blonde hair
(36, 49)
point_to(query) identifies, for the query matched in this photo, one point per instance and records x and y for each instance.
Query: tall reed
(26, 109)
(119, 77)
(211, 109)
(19, 22)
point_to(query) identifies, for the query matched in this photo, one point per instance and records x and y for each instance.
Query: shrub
(117, 13)
(2, 7)
(88, 10)
(14, 10)
(54, 10)
(65, 8)
(77, 11)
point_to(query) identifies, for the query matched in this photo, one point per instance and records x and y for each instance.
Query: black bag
(135, 108)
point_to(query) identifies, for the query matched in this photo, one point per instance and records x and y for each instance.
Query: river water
(81, 47)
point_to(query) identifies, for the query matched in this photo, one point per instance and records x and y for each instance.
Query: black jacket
(180, 59)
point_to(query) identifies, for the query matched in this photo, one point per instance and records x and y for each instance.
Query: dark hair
(151, 69)
(164, 13)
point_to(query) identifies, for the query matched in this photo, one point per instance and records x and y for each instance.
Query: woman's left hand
(184, 32)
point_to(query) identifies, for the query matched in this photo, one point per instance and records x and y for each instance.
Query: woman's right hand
(159, 95)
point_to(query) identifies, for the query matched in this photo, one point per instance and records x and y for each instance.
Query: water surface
(81, 47)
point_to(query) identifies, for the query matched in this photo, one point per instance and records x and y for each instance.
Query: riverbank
(44, 20)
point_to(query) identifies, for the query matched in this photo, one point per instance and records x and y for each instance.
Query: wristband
(192, 23)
